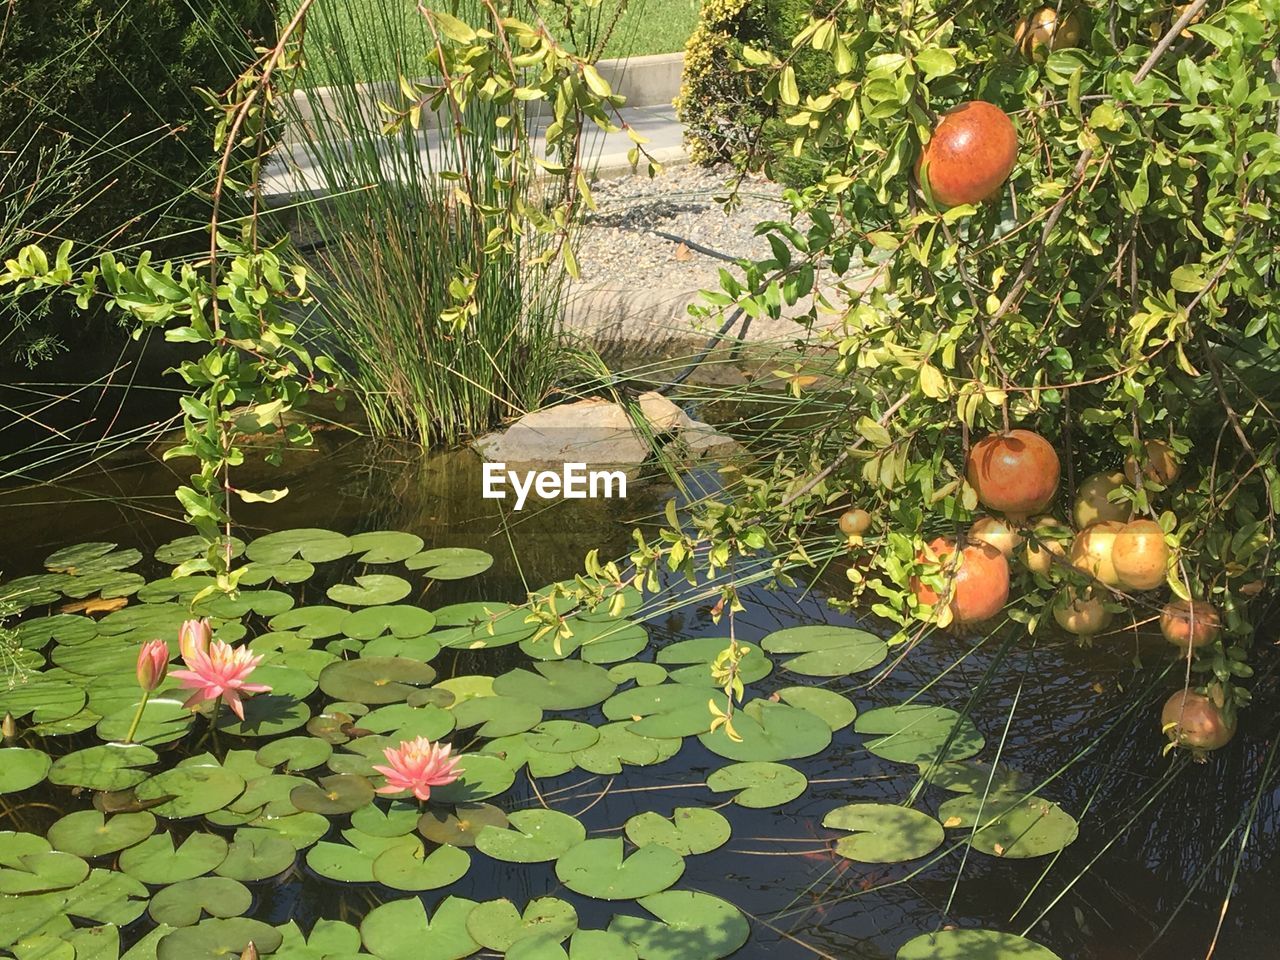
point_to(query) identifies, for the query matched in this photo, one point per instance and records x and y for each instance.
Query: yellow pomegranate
(1091, 551)
(1083, 615)
(1000, 534)
(1140, 555)
(1092, 503)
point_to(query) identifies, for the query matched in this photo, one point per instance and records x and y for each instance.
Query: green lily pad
(499, 716)
(256, 854)
(597, 868)
(592, 944)
(397, 820)
(156, 861)
(76, 555)
(404, 867)
(770, 731)
(183, 904)
(21, 768)
(266, 715)
(300, 829)
(466, 687)
(666, 711)
(760, 785)
(218, 939)
(533, 836)
(972, 776)
(371, 589)
(333, 795)
(294, 753)
(690, 661)
(65, 628)
(171, 588)
(460, 826)
(312, 545)
(411, 648)
(88, 834)
(374, 680)
(290, 571)
(39, 871)
(109, 766)
(559, 685)
(385, 546)
(107, 896)
(266, 603)
(917, 733)
(643, 673)
(1013, 825)
(163, 721)
(518, 752)
(314, 623)
(349, 862)
(498, 925)
(595, 641)
(400, 930)
(618, 745)
(480, 777)
(689, 924)
(838, 711)
(827, 651)
(450, 563)
(195, 790)
(400, 721)
(562, 736)
(973, 945)
(690, 830)
(481, 625)
(400, 620)
(884, 832)
(48, 699)
(188, 548)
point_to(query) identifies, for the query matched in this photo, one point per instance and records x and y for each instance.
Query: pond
(746, 858)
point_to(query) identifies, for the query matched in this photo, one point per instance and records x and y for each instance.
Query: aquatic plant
(417, 765)
(219, 673)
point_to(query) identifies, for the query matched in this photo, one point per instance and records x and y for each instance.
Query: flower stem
(137, 717)
(213, 724)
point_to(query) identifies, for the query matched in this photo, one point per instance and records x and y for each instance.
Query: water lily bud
(153, 664)
(9, 728)
(193, 639)
(250, 951)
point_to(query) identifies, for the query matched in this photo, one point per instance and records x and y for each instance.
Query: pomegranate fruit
(1140, 555)
(1160, 464)
(970, 155)
(1197, 723)
(855, 522)
(1091, 551)
(1015, 473)
(979, 585)
(1185, 623)
(995, 533)
(1038, 557)
(1092, 503)
(1040, 33)
(1080, 614)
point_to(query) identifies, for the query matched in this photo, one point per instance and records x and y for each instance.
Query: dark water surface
(1107, 897)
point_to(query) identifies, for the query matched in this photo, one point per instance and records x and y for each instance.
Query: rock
(594, 432)
(663, 415)
(701, 441)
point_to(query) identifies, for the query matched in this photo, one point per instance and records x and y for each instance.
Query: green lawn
(389, 32)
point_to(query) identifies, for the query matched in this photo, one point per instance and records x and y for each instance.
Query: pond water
(1144, 878)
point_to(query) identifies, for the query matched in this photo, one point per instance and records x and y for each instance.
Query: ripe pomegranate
(1190, 624)
(1140, 555)
(1092, 503)
(980, 585)
(854, 523)
(1091, 551)
(970, 155)
(1160, 464)
(1015, 473)
(1198, 723)
(995, 533)
(1040, 33)
(1038, 557)
(1080, 614)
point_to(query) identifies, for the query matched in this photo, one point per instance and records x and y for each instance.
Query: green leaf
(884, 832)
(770, 731)
(1013, 825)
(973, 945)
(22, 767)
(916, 733)
(760, 785)
(89, 834)
(690, 830)
(218, 939)
(689, 924)
(597, 868)
(827, 651)
(400, 930)
(535, 835)
(182, 904)
(498, 925)
(156, 861)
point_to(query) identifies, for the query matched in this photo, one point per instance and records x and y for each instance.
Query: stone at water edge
(663, 415)
(595, 432)
(701, 441)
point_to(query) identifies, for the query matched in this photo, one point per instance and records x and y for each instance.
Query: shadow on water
(1155, 828)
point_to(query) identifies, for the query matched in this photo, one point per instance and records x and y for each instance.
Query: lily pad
(498, 925)
(156, 861)
(371, 589)
(195, 790)
(884, 832)
(827, 651)
(460, 826)
(374, 680)
(597, 868)
(111, 766)
(690, 661)
(266, 603)
(310, 544)
(689, 830)
(400, 620)
(69, 558)
(643, 673)
(770, 731)
(107, 896)
(972, 776)
(294, 753)
(559, 685)
(1013, 825)
(838, 711)
(917, 733)
(49, 699)
(450, 563)
(480, 777)
(385, 546)
(183, 904)
(533, 836)
(163, 721)
(481, 625)
(618, 745)
(411, 648)
(396, 820)
(300, 829)
(518, 752)
(89, 834)
(689, 924)
(760, 785)
(65, 628)
(400, 930)
(266, 715)
(562, 736)
(973, 945)
(314, 623)
(290, 571)
(498, 716)
(40, 871)
(218, 939)
(400, 721)
(188, 548)
(21, 768)
(256, 854)
(666, 711)
(405, 867)
(333, 795)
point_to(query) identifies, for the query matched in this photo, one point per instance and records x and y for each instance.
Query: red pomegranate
(970, 155)
(1186, 624)
(1197, 723)
(981, 581)
(1015, 473)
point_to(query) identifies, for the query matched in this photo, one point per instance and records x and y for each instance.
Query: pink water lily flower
(418, 765)
(153, 664)
(217, 670)
(193, 638)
